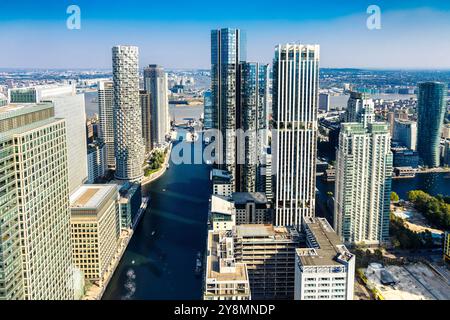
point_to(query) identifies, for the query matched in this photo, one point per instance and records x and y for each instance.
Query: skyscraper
(128, 145)
(251, 117)
(144, 100)
(227, 50)
(106, 117)
(36, 259)
(295, 94)
(363, 181)
(432, 104)
(155, 82)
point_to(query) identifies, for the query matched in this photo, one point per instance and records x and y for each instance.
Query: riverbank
(96, 291)
(155, 175)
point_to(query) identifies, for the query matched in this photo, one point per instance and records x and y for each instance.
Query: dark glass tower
(252, 119)
(432, 104)
(227, 50)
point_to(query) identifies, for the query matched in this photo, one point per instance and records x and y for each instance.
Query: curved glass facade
(432, 104)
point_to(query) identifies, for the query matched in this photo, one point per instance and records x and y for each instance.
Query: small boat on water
(198, 264)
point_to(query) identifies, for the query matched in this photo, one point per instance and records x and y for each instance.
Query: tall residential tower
(227, 50)
(129, 148)
(155, 83)
(432, 105)
(295, 94)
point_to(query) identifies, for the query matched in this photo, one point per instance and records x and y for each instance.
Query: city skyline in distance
(178, 37)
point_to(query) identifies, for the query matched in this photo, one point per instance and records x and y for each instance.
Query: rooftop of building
(91, 196)
(244, 197)
(265, 231)
(222, 204)
(218, 175)
(326, 248)
(213, 262)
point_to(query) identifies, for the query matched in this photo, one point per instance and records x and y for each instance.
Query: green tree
(394, 197)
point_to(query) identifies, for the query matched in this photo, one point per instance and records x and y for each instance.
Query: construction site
(412, 281)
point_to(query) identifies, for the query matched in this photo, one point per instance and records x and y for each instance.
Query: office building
(405, 133)
(225, 279)
(228, 49)
(97, 161)
(155, 83)
(251, 208)
(145, 100)
(70, 106)
(363, 183)
(294, 147)
(325, 270)
(269, 254)
(95, 229)
(36, 255)
(106, 116)
(128, 144)
(431, 107)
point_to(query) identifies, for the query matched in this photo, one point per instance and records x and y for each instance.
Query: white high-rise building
(363, 183)
(128, 145)
(326, 269)
(36, 255)
(155, 83)
(295, 94)
(106, 117)
(405, 132)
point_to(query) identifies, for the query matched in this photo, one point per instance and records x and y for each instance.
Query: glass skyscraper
(432, 104)
(227, 50)
(252, 119)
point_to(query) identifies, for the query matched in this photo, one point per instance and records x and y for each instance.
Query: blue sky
(414, 33)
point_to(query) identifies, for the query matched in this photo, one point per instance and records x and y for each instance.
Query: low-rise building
(222, 182)
(130, 203)
(225, 279)
(95, 229)
(251, 208)
(269, 254)
(222, 213)
(325, 270)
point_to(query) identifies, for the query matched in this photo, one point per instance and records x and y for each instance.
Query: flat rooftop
(91, 196)
(264, 231)
(244, 197)
(221, 204)
(326, 246)
(213, 262)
